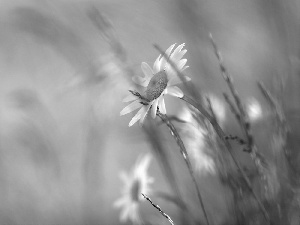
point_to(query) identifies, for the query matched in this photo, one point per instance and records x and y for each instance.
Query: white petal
(147, 70)
(125, 214)
(185, 67)
(137, 116)
(145, 114)
(118, 203)
(178, 54)
(174, 91)
(177, 80)
(143, 164)
(162, 106)
(130, 98)
(131, 107)
(154, 108)
(156, 65)
(164, 59)
(142, 81)
(170, 71)
(181, 64)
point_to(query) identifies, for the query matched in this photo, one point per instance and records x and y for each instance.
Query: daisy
(195, 138)
(136, 182)
(158, 81)
(254, 110)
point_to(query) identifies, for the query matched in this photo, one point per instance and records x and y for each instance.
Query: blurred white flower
(254, 110)
(218, 108)
(194, 137)
(158, 81)
(136, 182)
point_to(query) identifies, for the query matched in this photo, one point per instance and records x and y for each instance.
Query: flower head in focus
(157, 81)
(136, 182)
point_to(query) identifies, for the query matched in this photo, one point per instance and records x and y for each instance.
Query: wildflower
(157, 82)
(254, 110)
(195, 138)
(218, 108)
(136, 182)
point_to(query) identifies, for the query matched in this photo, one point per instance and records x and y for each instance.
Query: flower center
(135, 190)
(156, 86)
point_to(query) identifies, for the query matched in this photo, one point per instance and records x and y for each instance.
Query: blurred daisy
(253, 110)
(218, 108)
(136, 182)
(195, 139)
(157, 82)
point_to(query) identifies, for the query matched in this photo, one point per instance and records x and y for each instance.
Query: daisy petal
(156, 65)
(143, 164)
(125, 214)
(178, 54)
(177, 80)
(145, 114)
(181, 64)
(162, 106)
(147, 70)
(174, 91)
(170, 71)
(185, 67)
(164, 60)
(142, 81)
(130, 98)
(118, 203)
(137, 116)
(154, 108)
(131, 107)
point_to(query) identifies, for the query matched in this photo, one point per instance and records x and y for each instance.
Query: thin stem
(232, 108)
(273, 103)
(222, 136)
(218, 130)
(258, 158)
(184, 153)
(159, 209)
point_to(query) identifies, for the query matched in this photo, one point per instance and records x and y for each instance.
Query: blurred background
(66, 65)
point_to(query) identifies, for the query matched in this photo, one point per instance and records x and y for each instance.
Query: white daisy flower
(136, 182)
(218, 108)
(157, 82)
(254, 110)
(195, 139)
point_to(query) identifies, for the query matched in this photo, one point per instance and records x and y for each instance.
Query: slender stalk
(184, 153)
(258, 158)
(222, 136)
(159, 209)
(218, 130)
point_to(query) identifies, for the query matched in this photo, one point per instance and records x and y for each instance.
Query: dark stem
(216, 126)
(158, 208)
(258, 158)
(184, 153)
(222, 136)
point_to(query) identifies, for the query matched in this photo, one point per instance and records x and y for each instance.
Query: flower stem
(222, 136)
(159, 209)
(240, 113)
(184, 153)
